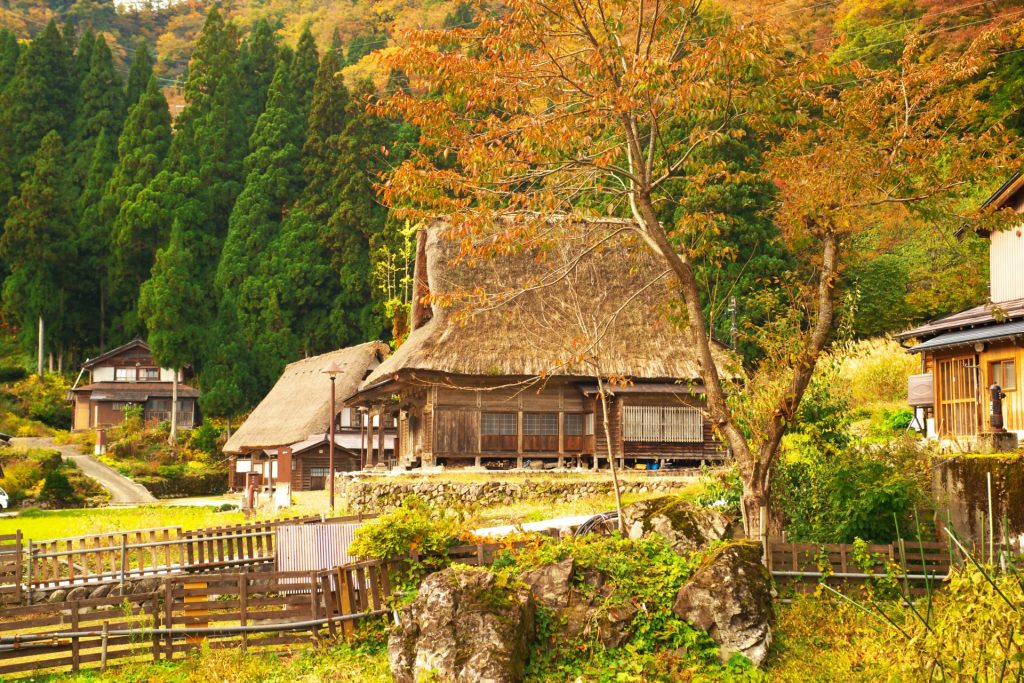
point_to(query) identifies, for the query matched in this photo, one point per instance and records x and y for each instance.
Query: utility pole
(732, 322)
(332, 371)
(39, 356)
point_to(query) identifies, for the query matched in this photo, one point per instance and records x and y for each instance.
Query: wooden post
(75, 655)
(313, 611)
(103, 646)
(124, 560)
(18, 567)
(169, 617)
(28, 579)
(345, 602)
(243, 601)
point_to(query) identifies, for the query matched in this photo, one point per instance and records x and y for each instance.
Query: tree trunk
(103, 316)
(611, 455)
(173, 437)
(39, 356)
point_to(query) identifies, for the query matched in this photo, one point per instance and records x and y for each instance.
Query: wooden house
(507, 355)
(964, 354)
(284, 440)
(125, 377)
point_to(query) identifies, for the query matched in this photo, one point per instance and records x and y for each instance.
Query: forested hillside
(247, 237)
(247, 232)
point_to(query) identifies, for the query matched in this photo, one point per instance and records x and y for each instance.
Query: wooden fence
(248, 609)
(142, 553)
(802, 566)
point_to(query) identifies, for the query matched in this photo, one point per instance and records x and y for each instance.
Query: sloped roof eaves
(298, 403)
(983, 315)
(967, 337)
(91, 362)
(100, 390)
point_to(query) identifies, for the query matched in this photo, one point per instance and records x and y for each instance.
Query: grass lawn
(48, 524)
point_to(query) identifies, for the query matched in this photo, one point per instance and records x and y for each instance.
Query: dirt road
(123, 491)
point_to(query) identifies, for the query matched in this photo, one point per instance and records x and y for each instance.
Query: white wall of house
(103, 374)
(1006, 256)
(167, 375)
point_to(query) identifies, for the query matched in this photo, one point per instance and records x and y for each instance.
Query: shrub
(722, 490)
(13, 374)
(416, 527)
(206, 439)
(875, 371)
(211, 483)
(861, 491)
(57, 488)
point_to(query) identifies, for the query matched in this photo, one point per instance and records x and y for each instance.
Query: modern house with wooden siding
(128, 376)
(284, 440)
(963, 355)
(509, 354)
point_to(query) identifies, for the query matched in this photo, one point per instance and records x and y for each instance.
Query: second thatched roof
(586, 298)
(299, 403)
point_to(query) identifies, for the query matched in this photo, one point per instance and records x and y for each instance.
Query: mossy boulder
(730, 597)
(687, 527)
(463, 627)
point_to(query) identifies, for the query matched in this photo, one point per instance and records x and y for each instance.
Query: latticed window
(318, 471)
(662, 424)
(498, 424)
(540, 424)
(574, 424)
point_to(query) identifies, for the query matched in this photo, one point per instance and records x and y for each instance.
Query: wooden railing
(143, 553)
(802, 566)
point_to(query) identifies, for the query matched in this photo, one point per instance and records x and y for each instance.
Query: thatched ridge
(299, 403)
(587, 299)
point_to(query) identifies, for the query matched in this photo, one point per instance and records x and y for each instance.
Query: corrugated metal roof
(963, 337)
(986, 315)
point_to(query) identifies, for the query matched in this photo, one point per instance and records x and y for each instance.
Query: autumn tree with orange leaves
(603, 107)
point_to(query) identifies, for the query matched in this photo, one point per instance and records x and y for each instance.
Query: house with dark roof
(510, 348)
(126, 377)
(284, 441)
(966, 354)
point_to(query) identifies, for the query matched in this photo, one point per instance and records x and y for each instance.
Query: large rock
(463, 628)
(687, 527)
(730, 597)
(550, 583)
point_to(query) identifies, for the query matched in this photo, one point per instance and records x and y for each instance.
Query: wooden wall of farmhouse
(956, 403)
(81, 414)
(302, 478)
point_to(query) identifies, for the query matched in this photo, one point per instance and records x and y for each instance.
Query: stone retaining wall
(376, 494)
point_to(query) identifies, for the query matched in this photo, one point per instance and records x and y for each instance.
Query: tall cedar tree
(92, 244)
(300, 276)
(304, 68)
(139, 74)
(8, 56)
(38, 243)
(141, 152)
(257, 61)
(241, 364)
(358, 217)
(39, 98)
(101, 108)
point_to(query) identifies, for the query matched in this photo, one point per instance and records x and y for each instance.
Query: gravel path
(123, 491)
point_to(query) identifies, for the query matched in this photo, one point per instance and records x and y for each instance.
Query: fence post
(74, 639)
(345, 602)
(18, 566)
(103, 646)
(28, 580)
(313, 612)
(243, 601)
(124, 560)
(169, 617)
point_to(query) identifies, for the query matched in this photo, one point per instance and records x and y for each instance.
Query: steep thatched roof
(299, 404)
(586, 299)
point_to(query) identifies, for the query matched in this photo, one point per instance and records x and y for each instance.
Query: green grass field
(48, 524)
